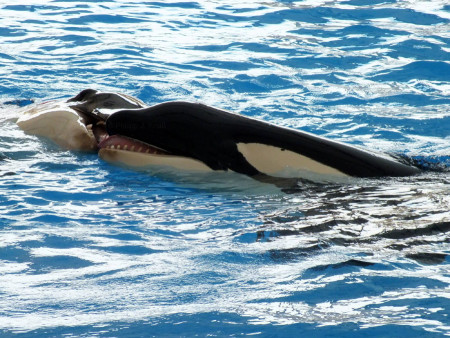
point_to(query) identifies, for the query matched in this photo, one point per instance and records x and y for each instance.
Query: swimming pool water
(88, 249)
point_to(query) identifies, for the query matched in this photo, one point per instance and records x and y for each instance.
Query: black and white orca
(194, 136)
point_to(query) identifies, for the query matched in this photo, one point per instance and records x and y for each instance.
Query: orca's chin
(119, 142)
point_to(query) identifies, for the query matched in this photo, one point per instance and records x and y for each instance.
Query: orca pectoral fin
(220, 153)
(240, 165)
(231, 158)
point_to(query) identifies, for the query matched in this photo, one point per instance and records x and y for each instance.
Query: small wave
(428, 163)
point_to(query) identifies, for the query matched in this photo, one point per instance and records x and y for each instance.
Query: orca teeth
(118, 142)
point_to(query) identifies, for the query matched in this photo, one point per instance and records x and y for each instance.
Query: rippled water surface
(88, 249)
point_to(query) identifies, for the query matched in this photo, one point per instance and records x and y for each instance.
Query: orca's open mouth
(119, 142)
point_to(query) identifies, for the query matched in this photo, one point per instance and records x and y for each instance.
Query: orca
(221, 140)
(198, 137)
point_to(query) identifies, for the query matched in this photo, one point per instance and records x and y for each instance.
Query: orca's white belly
(139, 160)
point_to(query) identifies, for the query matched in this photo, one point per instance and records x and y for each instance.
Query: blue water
(92, 250)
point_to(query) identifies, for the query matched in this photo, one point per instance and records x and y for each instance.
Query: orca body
(197, 137)
(225, 141)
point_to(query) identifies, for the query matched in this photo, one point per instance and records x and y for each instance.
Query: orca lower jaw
(119, 142)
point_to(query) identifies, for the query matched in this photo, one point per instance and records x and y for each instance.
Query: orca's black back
(211, 135)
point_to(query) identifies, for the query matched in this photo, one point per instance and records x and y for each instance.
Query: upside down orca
(198, 137)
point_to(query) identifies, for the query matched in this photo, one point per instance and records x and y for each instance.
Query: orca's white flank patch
(272, 160)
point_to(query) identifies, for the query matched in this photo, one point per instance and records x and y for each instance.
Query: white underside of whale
(142, 161)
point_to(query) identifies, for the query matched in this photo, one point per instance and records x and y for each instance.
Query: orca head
(179, 130)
